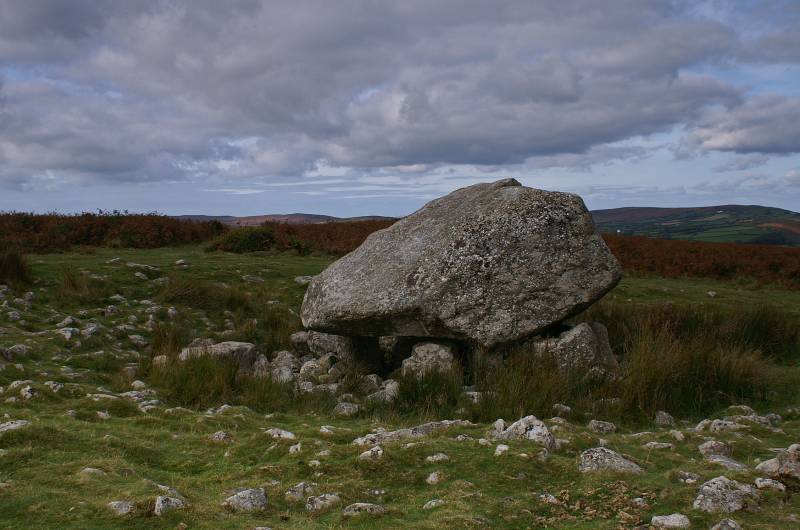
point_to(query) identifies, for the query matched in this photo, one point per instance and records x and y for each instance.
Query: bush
(58, 233)
(14, 267)
(241, 240)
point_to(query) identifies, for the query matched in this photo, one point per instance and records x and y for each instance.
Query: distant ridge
(729, 223)
(290, 218)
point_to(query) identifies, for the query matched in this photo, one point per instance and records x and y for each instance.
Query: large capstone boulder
(489, 264)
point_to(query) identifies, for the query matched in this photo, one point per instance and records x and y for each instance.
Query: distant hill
(721, 224)
(290, 218)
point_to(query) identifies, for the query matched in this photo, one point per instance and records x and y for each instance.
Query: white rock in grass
(433, 503)
(165, 504)
(91, 471)
(296, 448)
(322, 503)
(602, 427)
(13, 425)
(724, 495)
(768, 483)
(714, 447)
(527, 428)
(726, 462)
(374, 453)
(249, 500)
(363, 508)
(280, 434)
(501, 449)
(786, 464)
(675, 520)
(120, 507)
(603, 459)
(664, 419)
(438, 457)
(434, 478)
(299, 492)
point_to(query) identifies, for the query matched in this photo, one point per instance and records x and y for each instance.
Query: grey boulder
(723, 495)
(244, 353)
(488, 264)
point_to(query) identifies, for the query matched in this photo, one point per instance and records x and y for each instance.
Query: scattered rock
(602, 427)
(165, 504)
(428, 357)
(433, 503)
(434, 478)
(243, 353)
(605, 460)
(249, 500)
(676, 520)
(345, 409)
(714, 447)
(373, 453)
(363, 508)
(414, 432)
(768, 483)
(220, 436)
(501, 449)
(527, 428)
(13, 425)
(785, 465)
(280, 434)
(322, 503)
(437, 458)
(726, 462)
(120, 507)
(724, 495)
(429, 274)
(582, 348)
(299, 492)
(664, 419)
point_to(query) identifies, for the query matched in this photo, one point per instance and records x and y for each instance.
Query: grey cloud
(767, 124)
(248, 90)
(743, 163)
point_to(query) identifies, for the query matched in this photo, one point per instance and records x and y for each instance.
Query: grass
(681, 350)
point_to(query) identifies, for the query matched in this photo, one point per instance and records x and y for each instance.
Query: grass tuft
(14, 267)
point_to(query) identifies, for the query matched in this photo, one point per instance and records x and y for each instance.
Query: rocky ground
(84, 443)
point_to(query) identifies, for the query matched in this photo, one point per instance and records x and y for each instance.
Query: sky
(346, 108)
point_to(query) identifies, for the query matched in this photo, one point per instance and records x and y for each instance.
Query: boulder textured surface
(488, 264)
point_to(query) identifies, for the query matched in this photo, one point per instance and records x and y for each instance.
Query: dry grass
(14, 267)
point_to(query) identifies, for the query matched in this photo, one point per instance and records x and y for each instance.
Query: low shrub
(58, 233)
(14, 267)
(241, 240)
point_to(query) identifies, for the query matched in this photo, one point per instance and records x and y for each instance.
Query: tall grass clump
(241, 240)
(76, 288)
(14, 267)
(690, 376)
(205, 381)
(435, 394)
(201, 294)
(527, 382)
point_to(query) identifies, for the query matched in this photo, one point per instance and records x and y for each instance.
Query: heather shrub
(241, 240)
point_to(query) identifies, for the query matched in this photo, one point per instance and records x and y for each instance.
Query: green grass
(39, 469)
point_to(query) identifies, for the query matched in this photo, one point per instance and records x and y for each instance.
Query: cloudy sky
(369, 107)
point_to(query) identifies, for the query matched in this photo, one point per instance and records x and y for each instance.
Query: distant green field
(716, 224)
